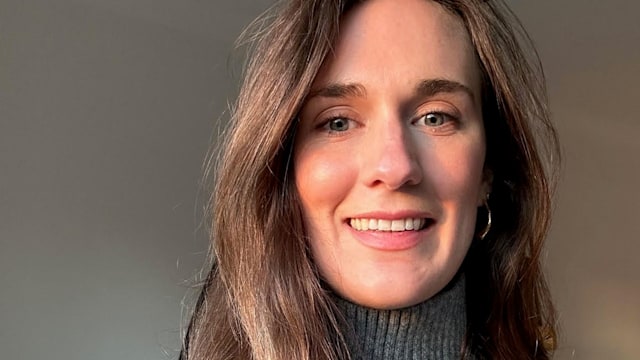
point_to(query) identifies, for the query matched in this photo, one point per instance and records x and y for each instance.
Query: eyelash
(451, 118)
(326, 123)
(448, 119)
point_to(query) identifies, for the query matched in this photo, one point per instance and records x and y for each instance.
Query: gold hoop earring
(488, 226)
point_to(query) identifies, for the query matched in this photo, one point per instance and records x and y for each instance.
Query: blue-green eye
(434, 119)
(338, 124)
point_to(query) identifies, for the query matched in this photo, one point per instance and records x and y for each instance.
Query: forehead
(382, 42)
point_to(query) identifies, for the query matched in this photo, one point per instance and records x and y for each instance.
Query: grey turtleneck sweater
(433, 329)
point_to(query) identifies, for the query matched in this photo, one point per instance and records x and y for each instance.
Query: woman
(383, 190)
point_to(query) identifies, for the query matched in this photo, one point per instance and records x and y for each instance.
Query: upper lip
(393, 215)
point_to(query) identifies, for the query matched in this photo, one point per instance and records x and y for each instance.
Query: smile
(397, 225)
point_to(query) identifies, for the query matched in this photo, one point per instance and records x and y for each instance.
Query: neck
(433, 329)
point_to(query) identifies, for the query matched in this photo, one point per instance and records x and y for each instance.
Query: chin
(392, 291)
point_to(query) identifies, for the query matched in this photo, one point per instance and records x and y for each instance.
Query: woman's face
(389, 154)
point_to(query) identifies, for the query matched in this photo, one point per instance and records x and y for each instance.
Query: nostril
(397, 171)
(391, 157)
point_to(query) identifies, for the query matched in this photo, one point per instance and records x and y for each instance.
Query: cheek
(457, 172)
(323, 180)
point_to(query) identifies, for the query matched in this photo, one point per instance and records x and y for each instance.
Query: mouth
(387, 225)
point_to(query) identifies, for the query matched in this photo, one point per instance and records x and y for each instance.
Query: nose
(391, 157)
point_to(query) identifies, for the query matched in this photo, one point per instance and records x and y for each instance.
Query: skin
(393, 129)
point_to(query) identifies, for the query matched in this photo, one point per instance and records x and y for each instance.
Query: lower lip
(390, 240)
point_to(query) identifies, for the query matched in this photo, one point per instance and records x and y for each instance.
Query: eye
(337, 124)
(433, 119)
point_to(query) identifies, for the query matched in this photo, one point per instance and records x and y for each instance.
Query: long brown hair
(262, 297)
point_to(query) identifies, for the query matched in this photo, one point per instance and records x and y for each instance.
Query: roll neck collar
(433, 329)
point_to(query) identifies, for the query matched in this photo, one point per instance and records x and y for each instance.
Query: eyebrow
(431, 87)
(337, 90)
(426, 88)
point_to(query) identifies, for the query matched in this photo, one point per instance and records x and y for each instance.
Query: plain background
(107, 109)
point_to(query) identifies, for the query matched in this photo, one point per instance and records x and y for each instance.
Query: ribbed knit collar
(433, 329)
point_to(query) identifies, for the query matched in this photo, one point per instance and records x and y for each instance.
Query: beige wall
(106, 110)
(591, 52)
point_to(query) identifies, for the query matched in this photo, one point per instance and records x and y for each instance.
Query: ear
(485, 187)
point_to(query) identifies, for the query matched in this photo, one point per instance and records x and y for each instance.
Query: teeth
(397, 225)
(408, 224)
(383, 225)
(387, 225)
